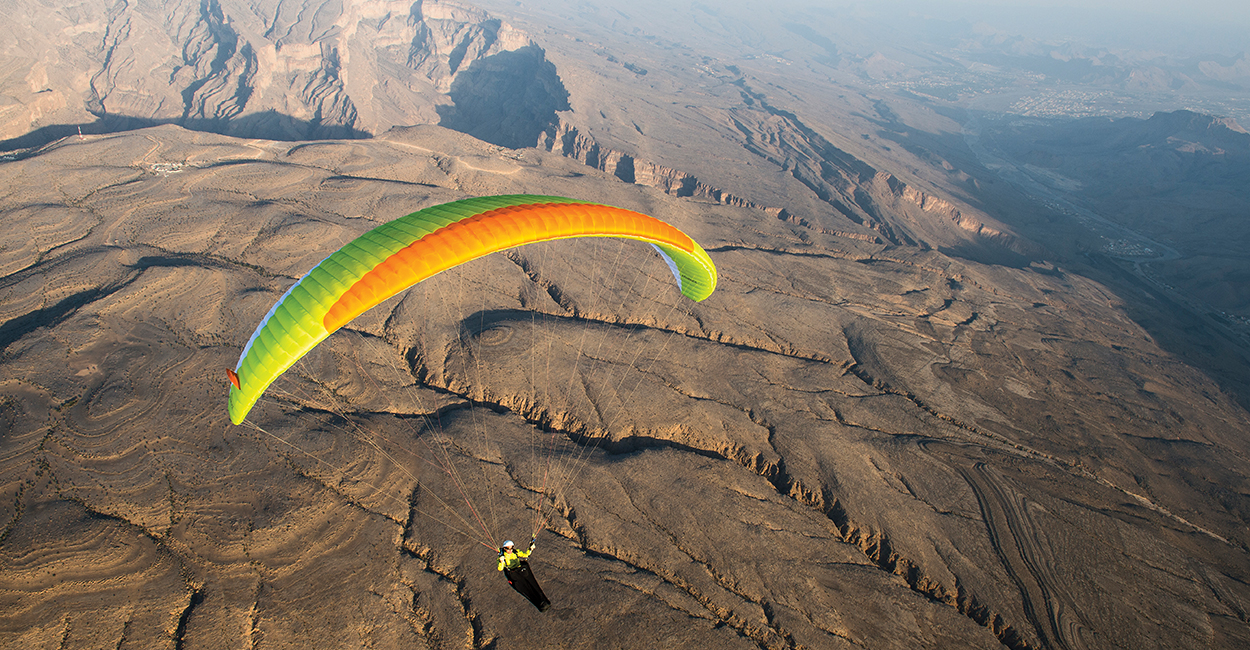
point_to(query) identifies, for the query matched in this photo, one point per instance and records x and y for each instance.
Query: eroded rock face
(866, 437)
(508, 98)
(302, 70)
(849, 444)
(314, 70)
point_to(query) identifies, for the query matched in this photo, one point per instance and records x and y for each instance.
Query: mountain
(1176, 179)
(925, 405)
(285, 70)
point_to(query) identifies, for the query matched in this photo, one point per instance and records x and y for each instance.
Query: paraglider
(403, 252)
(516, 568)
(397, 255)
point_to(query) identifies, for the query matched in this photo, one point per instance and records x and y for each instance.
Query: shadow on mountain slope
(268, 125)
(507, 99)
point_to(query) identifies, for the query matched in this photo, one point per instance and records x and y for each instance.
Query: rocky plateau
(925, 407)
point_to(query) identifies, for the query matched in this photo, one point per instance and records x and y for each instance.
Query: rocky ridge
(905, 446)
(292, 70)
(306, 70)
(883, 194)
(874, 418)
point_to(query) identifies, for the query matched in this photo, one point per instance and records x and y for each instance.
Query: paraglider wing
(399, 254)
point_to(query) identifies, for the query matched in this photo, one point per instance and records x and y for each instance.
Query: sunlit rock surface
(900, 421)
(849, 444)
(286, 70)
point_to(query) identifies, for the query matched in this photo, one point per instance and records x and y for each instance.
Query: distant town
(1032, 94)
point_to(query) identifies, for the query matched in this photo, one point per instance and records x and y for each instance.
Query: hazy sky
(1178, 27)
(1170, 7)
(1188, 27)
(1202, 10)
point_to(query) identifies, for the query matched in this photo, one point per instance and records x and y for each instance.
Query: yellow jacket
(512, 559)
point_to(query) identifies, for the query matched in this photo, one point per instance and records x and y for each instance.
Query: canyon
(933, 402)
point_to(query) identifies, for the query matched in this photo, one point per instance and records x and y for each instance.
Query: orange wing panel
(486, 233)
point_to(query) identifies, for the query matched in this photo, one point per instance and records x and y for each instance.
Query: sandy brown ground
(849, 445)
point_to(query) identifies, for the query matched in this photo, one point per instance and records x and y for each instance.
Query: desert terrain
(941, 397)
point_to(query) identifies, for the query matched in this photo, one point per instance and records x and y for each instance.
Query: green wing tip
(235, 389)
(236, 413)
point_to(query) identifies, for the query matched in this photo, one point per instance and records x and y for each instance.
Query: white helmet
(508, 544)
